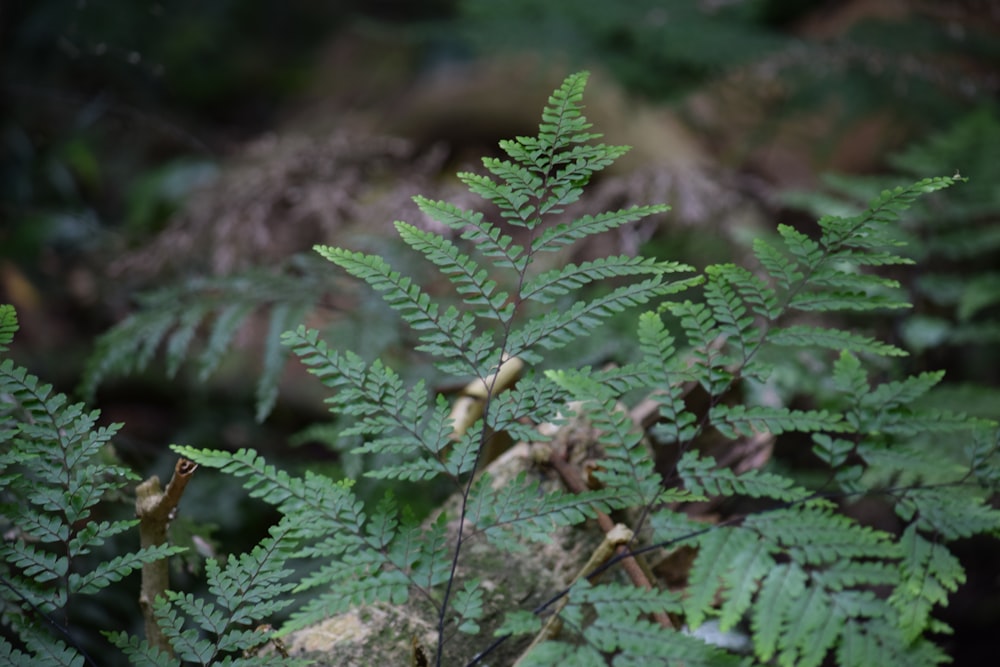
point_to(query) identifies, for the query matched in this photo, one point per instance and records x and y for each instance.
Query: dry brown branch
(155, 508)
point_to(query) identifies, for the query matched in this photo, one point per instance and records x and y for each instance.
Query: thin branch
(155, 508)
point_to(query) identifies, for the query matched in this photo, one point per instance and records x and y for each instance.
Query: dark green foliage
(954, 236)
(794, 580)
(54, 477)
(800, 574)
(172, 317)
(247, 590)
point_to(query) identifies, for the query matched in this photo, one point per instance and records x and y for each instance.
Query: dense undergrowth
(729, 360)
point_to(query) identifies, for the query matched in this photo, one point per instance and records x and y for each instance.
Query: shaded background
(116, 115)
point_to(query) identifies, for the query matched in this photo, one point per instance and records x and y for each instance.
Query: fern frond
(809, 301)
(54, 477)
(534, 395)
(833, 339)
(894, 394)
(140, 653)
(513, 195)
(702, 476)
(873, 642)
(173, 317)
(8, 325)
(815, 535)
(701, 330)
(519, 511)
(323, 520)
(948, 511)
(736, 420)
(448, 334)
(488, 239)
(554, 653)
(41, 653)
(555, 238)
(398, 418)
(546, 287)
(332, 507)
(470, 281)
(556, 329)
(619, 630)
(928, 573)
(626, 466)
(468, 607)
(183, 333)
(126, 348)
(283, 317)
(779, 591)
(108, 572)
(730, 564)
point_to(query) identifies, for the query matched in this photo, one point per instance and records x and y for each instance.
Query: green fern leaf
(554, 653)
(469, 280)
(874, 642)
(108, 572)
(556, 329)
(559, 236)
(37, 564)
(188, 645)
(702, 330)
(8, 325)
(893, 394)
(180, 338)
(834, 339)
(731, 290)
(176, 314)
(397, 419)
(512, 196)
(638, 642)
(702, 476)
(849, 377)
(809, 301)
(778, 266)
(519, 511)
(741, 420)
(811, 631)
(486, 237)
(627, 465)
(929, 572)
(45, 653)
(283, 317)
(779, 590)
(450, 337)
(223, 330)
(468, 607)
(948, 511)
(562, 123)
(127, 348)
(661, 361)
(730, 560)
(519, 622)
(140, 653)
(546, 287)
(815, 535)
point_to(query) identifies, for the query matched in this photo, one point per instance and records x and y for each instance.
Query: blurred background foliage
(115, 115)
